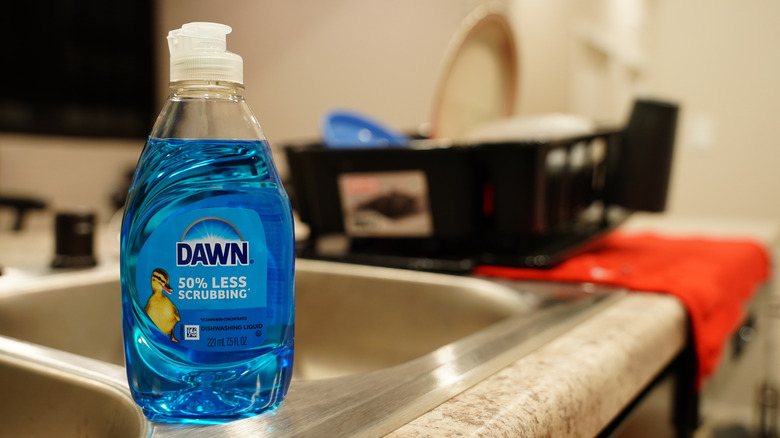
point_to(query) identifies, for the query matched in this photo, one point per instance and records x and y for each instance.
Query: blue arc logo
(212, 241)
(211, 227)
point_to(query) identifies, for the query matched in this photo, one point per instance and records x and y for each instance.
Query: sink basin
(44, 394)
(80, 318)
(374, 348)
(349, 319)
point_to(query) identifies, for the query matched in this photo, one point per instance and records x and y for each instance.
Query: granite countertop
(573, 386)
(577, 384)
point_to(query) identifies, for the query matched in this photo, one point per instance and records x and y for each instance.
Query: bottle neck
(207, 110)
(206, 89)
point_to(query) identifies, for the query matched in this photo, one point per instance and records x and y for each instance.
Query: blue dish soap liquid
(207, 249)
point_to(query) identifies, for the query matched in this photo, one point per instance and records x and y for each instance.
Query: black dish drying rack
(452, 208)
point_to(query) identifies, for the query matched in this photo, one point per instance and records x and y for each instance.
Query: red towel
(714, 278)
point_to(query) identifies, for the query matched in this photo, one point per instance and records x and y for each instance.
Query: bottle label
(201, 277)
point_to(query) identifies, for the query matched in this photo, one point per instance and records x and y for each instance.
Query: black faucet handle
(22, 205)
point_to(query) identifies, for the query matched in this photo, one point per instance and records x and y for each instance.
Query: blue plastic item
(348, 130)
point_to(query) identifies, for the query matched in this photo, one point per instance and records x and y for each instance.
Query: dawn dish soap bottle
(207, 251)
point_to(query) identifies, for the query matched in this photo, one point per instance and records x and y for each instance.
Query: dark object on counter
(530, 203)
(731, 431)
(22, 205)
(639, 176)
(74, 240)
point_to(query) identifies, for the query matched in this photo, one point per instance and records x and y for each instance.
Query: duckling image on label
(160, 308)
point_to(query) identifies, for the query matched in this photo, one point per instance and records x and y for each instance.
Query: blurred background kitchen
(719, 60)
(74, 116)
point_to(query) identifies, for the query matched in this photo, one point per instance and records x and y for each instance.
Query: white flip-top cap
(199, 52)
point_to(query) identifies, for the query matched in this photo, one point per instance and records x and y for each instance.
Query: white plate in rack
(479, 81)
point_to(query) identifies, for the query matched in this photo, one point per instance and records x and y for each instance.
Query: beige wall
(68, 173)
(543, 34)
(301, 59)
(304, 57)
(720, 60)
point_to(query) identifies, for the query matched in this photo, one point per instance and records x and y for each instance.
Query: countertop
(577, 384)
(572, 386)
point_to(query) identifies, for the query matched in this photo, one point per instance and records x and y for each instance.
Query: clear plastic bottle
(207, 252)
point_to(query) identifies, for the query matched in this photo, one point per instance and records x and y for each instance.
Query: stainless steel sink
(375, 347)
(48, 393)
(83, 318)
